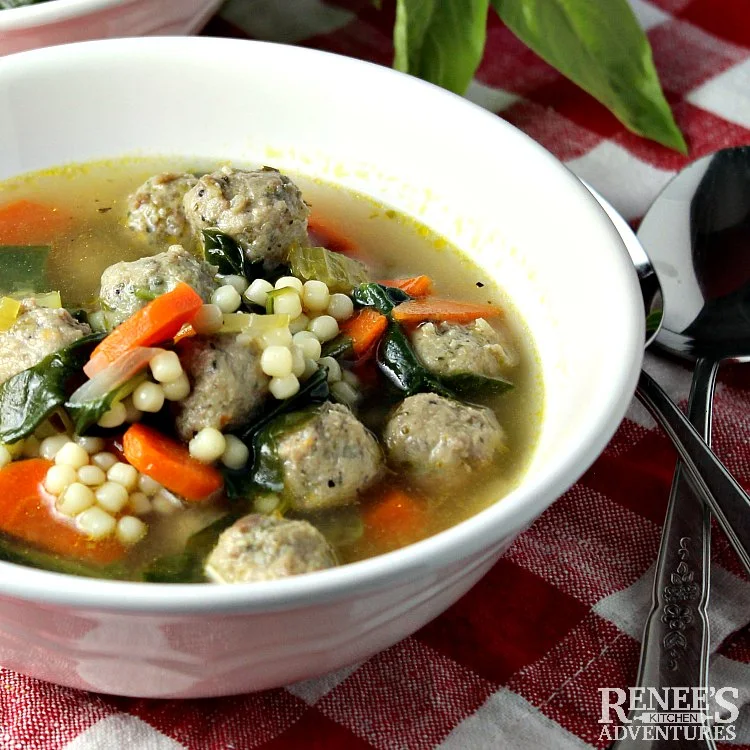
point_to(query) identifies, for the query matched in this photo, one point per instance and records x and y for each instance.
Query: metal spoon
(700, 219)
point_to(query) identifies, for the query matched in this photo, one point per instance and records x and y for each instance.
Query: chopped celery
(50, 300)
(253, 324)
(9, 309)
(340, 273)
(271, 298)
(235, 322)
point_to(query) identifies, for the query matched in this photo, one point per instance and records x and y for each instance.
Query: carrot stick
(364, 328)
(169, 463)
(158, 321)
(417, 286)
(27, 511)
(24, 222)
(325, 234)
(434, 308)
(396, 516)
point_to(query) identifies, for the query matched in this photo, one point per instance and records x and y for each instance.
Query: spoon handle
(727, 500)
(676, 635)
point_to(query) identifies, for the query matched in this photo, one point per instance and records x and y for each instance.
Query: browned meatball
(328, 460)
(155, 208)
(263, 548)
(261, 209)
(227, 383)
(438, 442)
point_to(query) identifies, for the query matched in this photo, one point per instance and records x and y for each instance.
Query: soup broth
(91, 202)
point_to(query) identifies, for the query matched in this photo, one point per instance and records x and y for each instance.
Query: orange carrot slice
(437, 309)
(365, 329)
(169, 463)
(25, 222)
(396, 517)
(27, 512)
(417, 286)
(324, 233)
(158, 321)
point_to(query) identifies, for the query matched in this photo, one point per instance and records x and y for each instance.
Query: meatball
(262, 210)
(438, 442)
(36, 333)
(262, 548)
(328, 460)
(227, 383)
(127, 287)
(453, 348)
(155, 208)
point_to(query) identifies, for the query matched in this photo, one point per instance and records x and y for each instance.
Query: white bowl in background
(473, 178)
(62, 21)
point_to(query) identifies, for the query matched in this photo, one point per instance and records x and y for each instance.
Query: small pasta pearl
(5, 457)
(91, 444)
(139, 504)
(163, 505)
(207, 445)
(208, 319)
(49, 447)
(334, 368)
(75, 499)
(277, 337)
(177, 389)
(240, 283)
(112, 496)
(309, 343)
(235, 454)
(258, 291)
(227, 299)
(147, 485)
(315, 295)
(344, 393)
(300, 323)
(105, 461)
(92, 476)
(311, 367)
(349, 377)
(131, 413)
(166, 367)
(148, 397)
(298, 360)
(276, 361)
(288, 303)
(71, 455)
(340, 307)
(96, 523)
(289, 281)
(130, 529)
(284, 387)
(123, 474)
(114, 417)
(58, 478)
(324, 327)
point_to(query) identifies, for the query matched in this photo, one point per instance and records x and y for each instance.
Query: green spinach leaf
(222, 251)
(341, 347)
(87, 413)
(440, 40)
(23, 268)
(601, 47)
(382, 298)
(29, 397)
(469, 384)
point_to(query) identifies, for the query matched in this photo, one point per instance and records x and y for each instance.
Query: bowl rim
(29, 16)
(481, 534)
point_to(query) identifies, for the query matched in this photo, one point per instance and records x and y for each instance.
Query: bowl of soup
(293, 347)
(27, 24)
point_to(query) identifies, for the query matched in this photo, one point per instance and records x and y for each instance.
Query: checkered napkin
(517, 663)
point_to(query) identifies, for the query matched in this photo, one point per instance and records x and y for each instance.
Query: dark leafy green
(29, 397)
(23, 268)
(382, 298)
(341, 347)
(87, 413)
(602, 48)
(470, 384)
(187, 566)
(240, 484)
(398, 362)
(221, 250)
(653, 321)
(440, 40)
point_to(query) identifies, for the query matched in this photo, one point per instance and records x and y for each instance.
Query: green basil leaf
(382, 298)
(23, 269)
(398, 362)
(222, 251)
(441, 41)
(601, 47)
(29, 397)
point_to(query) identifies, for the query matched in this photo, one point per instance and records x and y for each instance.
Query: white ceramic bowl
(62, 21)
(523, 217)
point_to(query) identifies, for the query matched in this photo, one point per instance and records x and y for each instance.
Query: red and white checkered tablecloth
(518, 661)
